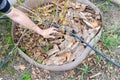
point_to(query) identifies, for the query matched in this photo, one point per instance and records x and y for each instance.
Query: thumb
(52, 37)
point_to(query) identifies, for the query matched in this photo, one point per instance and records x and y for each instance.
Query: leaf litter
(76, 17)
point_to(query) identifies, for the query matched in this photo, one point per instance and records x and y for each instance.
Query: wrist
(38, 30)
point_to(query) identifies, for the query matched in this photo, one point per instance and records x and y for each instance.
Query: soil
(102, 70)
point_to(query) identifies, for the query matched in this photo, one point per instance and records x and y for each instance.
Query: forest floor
(93, 68)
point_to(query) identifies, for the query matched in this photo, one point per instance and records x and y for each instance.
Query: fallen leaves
(65, 55)
(75, 17)
(20, 67)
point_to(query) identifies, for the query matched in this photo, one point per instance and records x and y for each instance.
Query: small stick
(56, 16)
(95, 75)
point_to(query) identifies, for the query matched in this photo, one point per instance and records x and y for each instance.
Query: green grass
(26, 76)
(84, 70)
(6, 44)
(24, 48)
(111, 39)
(103, 5)
(40, 62)
(98, 58)
(48, 47)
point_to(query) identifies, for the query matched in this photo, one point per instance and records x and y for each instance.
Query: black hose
(4, 18)
(87, 44)
(97, 51)
(77, 37)
(4, 61)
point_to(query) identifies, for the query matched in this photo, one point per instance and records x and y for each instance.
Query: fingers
(50, 32)
(53, 37)
(53, 30)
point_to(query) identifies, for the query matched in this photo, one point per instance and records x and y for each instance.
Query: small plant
(105, 5)
(111, 39)
(40, 62)
(24, 48)
(10, 41)
(26, 76)
(98, 58)
(48, 47)
(85, 70)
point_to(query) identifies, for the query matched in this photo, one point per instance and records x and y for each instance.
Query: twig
(95, 75)
(56, 16)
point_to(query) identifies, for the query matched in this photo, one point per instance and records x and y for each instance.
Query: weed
(98, 58)
(10, 41)
(26, 76)
(47, 47)
(40, 62)
(104, 6)
(22, 1)
(84, 70)
(24, 48)
(111, 39)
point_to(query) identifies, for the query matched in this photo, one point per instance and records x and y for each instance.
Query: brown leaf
(80, 7)
(20, 67)
(91, 24)
(91, 64)
(54, 50)
(53, 60)
(95, 24)
(72, 72)
(74, 41)
(66, 55)
(80, 25)
(57, 41)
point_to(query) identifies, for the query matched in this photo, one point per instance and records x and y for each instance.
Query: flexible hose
(4, 18)
(73, 35)
(4, 61)
(87, 44)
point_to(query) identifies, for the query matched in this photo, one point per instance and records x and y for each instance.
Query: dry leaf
(66, 55)
(91, 24)
(20, 67)
(52, 51)
(72, 72)
(56, 60)
(91, 64)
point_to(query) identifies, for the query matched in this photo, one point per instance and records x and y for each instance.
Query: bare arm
(19, 17)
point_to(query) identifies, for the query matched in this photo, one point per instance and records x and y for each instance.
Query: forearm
(22, 19)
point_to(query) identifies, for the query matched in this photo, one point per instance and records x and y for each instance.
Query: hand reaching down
(48, 33)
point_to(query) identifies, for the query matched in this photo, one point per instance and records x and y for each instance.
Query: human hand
(48, 33)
